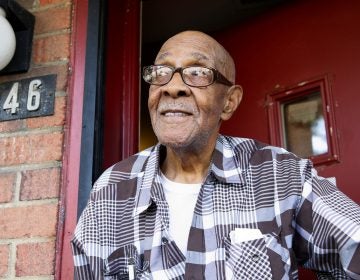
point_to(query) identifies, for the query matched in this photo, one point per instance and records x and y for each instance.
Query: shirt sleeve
(85, 245)
(327, 228)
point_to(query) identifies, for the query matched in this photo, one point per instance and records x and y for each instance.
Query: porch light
(16, 33)
(8, 40)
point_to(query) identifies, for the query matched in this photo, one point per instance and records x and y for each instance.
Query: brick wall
(31, 152)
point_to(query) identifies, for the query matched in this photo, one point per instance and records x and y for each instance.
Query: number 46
(33, 99)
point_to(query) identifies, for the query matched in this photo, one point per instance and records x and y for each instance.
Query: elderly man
(200, 205)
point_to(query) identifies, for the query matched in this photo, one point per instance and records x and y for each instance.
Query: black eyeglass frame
(218, 77)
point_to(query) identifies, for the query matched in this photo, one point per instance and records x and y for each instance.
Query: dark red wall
(294, 43)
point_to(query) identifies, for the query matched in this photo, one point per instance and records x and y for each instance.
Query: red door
(294, 43)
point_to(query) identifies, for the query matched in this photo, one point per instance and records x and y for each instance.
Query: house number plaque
(27, 98)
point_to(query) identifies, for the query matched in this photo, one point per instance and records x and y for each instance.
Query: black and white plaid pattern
(303, 219)
(247, 260)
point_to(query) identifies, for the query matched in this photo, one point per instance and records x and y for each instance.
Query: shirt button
(131, 261)
(255, 257)
(164, 240)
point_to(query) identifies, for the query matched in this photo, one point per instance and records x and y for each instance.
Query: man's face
(183, 116)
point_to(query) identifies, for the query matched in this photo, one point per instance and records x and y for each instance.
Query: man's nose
(176, 87)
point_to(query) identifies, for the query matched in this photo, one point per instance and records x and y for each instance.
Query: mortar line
(32, 166)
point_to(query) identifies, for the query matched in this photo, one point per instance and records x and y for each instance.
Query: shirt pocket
(281, 260)
(247, 260)
(125, 262)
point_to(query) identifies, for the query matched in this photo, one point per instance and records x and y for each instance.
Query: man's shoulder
(128, 169)
(241, 143)
(258, 151)
(248, 145)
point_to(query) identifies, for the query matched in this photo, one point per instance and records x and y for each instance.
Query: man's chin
(175, 144)
(185, 142)
(176, 141)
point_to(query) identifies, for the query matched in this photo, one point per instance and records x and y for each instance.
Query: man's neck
(186, 167)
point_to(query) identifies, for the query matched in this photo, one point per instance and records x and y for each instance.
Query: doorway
(126, 125)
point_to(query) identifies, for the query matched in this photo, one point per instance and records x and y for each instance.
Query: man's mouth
(170, 113)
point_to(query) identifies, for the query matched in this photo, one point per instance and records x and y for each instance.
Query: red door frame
(71, 159)
(127, 108)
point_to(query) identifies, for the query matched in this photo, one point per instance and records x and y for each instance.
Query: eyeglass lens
(198, 76)
(193, 76)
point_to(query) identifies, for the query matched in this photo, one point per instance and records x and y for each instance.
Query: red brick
(11, 126)
(53, 19)
(35, 259)
(30, 221)
(58, 119)
(40, 184)
(4, 259)
(30, 149)
(51, 48)
(60, 70)
(7, 185)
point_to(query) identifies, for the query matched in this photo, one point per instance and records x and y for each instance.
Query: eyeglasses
(195, 76)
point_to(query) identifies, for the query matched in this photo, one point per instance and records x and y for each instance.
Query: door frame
(86, 87)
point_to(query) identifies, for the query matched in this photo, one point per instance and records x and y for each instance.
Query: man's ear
(232, 101)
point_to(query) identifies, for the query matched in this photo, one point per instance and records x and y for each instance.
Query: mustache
(176, 106)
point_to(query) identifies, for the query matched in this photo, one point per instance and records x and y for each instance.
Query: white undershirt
(181, 199)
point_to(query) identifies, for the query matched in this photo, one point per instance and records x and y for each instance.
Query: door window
(301, 120)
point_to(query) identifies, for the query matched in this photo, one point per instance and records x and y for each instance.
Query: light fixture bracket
(23, 23)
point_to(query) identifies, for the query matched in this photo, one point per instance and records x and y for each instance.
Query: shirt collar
(143, 194)
(230, 160)
(229, 165)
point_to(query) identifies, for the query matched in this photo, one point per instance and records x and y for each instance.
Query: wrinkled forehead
(192, 47)
(191, 54)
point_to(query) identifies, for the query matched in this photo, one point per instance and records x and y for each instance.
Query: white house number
(27, 98)
(12, 104)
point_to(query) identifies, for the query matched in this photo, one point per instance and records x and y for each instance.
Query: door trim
(85, 22)
(72, 143)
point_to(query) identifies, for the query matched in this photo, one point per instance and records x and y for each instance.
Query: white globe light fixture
(7, 40)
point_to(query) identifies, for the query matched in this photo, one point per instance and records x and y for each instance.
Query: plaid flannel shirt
(303, 219)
